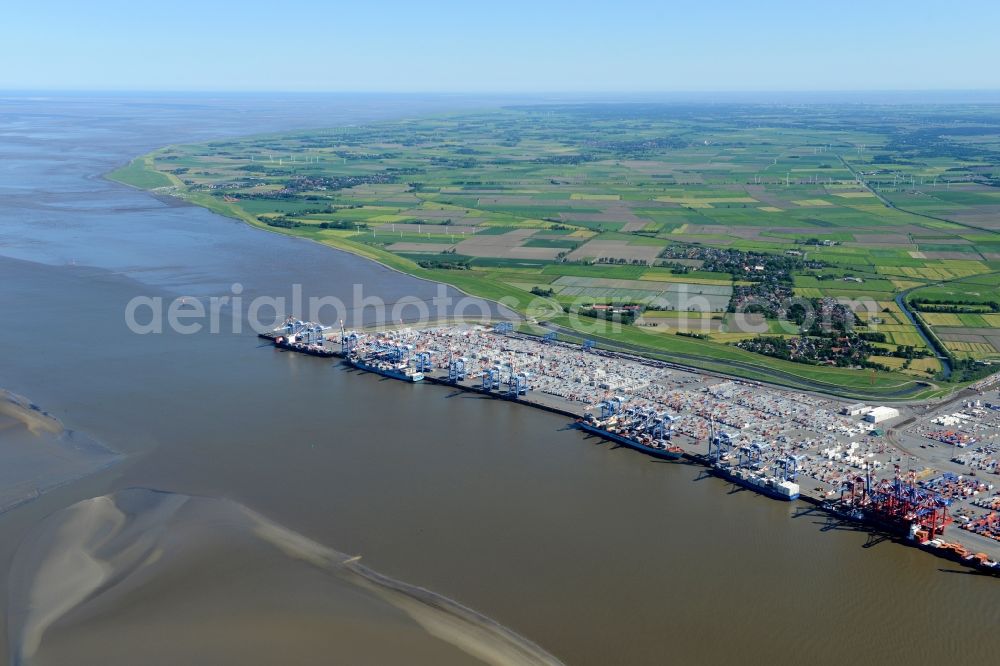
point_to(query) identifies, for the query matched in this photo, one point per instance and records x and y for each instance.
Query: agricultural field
(698, 215)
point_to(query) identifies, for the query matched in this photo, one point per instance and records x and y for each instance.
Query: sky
(508, 46)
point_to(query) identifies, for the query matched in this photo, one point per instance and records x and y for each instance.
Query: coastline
(795, 378)
(172, 197)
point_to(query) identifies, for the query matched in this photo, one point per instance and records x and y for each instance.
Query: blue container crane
(423, 361)
(786, 468)
(611, 406)
(522, 383)
(491, 379)
(631, 414)
(292, 326)
(720, 444)
(456, 370)
(394, 353)
(752, 455)
(517, 385)
(380, 350)
(349, 344)
(314, 334)
(619, 402)
(662, 426)
(388, 352)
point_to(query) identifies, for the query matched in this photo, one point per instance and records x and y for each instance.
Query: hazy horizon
(721, 97)
(445, 46)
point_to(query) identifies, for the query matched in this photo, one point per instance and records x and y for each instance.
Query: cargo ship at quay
(401, 371)
(646, 431)
(769, 485)
(744, 467)
(302, 337)
(503, 364)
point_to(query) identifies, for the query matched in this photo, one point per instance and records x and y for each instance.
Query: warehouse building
(879, 414)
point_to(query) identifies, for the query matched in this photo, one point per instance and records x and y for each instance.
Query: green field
(642, 200)
(141, 172)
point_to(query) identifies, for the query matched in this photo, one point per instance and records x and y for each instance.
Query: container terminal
(925, 474)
